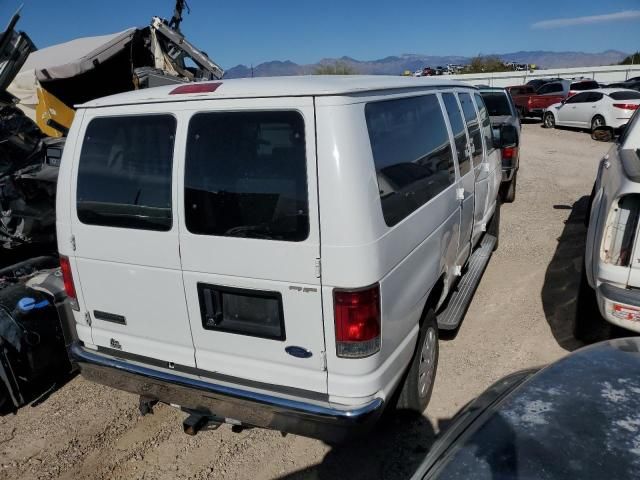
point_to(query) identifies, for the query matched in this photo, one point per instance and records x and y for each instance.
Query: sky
(253, 31)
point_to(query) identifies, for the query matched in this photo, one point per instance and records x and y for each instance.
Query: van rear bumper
(317, 419)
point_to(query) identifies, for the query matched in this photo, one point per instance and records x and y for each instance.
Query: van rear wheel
(418, 383)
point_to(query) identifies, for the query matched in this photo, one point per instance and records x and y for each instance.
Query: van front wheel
(418, 383)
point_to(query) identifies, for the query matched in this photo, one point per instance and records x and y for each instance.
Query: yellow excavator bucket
(52, 115)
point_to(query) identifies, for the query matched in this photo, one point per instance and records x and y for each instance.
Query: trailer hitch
(146, 405)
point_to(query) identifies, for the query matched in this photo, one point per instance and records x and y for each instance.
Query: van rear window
(246, 175)
(124, 174)
(411, 152)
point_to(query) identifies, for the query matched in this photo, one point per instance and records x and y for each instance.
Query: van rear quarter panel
(359, 249)
(63, 216)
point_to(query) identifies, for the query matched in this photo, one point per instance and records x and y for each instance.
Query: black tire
(597, 121)
(587, 214)
(416, 390)
(548, 120)
(508, 191)
(589, 325)
(494, 225)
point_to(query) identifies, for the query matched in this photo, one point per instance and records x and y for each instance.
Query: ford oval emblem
(298, 352)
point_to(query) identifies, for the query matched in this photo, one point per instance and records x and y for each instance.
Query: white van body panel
(140, 269)
(290, 268)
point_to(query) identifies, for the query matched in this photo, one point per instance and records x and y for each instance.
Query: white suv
(272, 252)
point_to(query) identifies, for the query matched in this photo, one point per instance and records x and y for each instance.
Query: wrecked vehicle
(38, 91)
(38, 107)
(33, 360)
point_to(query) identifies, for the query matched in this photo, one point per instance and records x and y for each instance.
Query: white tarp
(64, 60)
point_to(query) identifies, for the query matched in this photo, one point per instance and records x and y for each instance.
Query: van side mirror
(508, 136)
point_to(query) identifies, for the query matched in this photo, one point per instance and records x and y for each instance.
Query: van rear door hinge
(318, 268)
(73, 242)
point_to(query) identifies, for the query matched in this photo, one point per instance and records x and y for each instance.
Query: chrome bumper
(309, 418)
(619, 295)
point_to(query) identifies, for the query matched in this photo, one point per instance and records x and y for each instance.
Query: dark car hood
(577, 418)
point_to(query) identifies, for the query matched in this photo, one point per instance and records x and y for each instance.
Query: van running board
(458, 302)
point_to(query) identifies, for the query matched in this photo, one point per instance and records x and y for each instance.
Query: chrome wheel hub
(426, 369)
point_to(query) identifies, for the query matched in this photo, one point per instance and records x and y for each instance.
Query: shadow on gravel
(394, 450)
(530, 120)
(569, 304)
(562, 278)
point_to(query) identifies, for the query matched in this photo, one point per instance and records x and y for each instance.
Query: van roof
(311, 85)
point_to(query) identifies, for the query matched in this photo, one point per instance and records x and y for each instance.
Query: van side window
(246, 175)
(124, 173)
(485, 121)
(411, 152)
(473, 126)
(457, 126)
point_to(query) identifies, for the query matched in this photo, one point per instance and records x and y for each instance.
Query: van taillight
(67, 278)
(357, 321)
(195, 88)
(509, 152)
(627, 106)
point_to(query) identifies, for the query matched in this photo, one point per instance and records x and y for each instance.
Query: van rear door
(250, 242)
(125, 229)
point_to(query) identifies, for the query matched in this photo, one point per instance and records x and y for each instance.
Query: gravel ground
(520, 317)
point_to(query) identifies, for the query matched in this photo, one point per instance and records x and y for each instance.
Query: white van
(272, 252)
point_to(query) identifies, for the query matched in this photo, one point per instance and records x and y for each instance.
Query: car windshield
(497, 103)
(625, 95)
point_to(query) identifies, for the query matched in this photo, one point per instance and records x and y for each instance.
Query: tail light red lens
(509, 152)
(357, 321)
(195, 88)
(67, 278)
(627, 106)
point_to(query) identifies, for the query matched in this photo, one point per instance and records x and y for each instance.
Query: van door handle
(109, 317)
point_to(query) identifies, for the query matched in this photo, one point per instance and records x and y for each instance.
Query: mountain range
(395, 65)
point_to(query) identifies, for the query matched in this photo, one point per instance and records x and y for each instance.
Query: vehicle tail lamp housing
(626, 106)
(508, 154)
(625, 312)
(207, 87)
(67, 278)
(357, 321)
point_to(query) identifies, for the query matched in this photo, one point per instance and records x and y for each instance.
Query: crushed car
(38, 91)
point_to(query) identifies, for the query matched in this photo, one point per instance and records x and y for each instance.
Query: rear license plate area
(257, 313)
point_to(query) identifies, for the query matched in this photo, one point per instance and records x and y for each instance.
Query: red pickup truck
(533, 104)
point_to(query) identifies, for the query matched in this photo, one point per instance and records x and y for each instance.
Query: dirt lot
(520, 317)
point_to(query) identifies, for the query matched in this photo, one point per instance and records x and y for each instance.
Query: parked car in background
(612, 254)
(428, 72)
(574, 419)
(439, 70)
(595, 108)
(554, 92)
(261, 279)
(505, 122)
(520, 95)
(538, 82)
